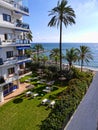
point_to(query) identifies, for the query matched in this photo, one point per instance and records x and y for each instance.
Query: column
(18, 83)
(1, 94)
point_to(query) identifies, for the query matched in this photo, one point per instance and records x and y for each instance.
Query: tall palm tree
(62, 14)
(37, 48)
(84, 55)
(71, 56)
(55, 55)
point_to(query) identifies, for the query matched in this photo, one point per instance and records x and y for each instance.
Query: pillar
(1, 94)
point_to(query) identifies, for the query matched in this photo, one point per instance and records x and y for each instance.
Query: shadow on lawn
(17, 100)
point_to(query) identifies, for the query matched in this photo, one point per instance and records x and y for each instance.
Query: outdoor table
(45, 101)
(52, 104)
(46, 90)
(35, 95)
(28, 93)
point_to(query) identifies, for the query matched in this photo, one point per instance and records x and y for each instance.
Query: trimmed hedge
(68, 102)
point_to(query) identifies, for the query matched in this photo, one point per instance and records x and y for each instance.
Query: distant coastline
(92, 65)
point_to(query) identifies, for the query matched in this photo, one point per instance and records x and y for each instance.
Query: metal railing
(17, 5)
(22, 57)
(22, 41)
(22, 25)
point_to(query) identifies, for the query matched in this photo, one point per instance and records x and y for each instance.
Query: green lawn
(25, 113)
(22, 114)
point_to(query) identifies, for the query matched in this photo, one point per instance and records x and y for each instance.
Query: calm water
(93, 47)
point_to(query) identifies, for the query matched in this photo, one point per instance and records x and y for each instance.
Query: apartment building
(13, 45)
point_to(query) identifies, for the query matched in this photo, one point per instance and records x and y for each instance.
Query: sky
(85, 30)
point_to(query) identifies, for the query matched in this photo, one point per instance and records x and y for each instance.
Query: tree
(71, 56)
(84, 55)
(44, 59)
(29, 36)
(28, 52)
(62, 14)
(37, 48)
(34, 58)
(55, 54)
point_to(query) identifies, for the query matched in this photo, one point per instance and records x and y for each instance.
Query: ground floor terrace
(7, 89)
(22, 87)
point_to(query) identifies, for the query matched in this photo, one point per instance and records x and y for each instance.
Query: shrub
(68, 101)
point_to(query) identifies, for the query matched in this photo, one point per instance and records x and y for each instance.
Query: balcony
(22, 25)
(13, 42)
(15, 6)
(22, 57)
(9, 61)
(22, 41)
(24, 71)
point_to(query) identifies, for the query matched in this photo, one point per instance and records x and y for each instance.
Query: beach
(92, 65)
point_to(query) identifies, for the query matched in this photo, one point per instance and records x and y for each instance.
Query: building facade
(13, 45)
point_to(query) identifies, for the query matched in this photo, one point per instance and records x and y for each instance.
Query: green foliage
(84, 55)
(34, 66)
(61, 14)
(68, 101)
(53, 68)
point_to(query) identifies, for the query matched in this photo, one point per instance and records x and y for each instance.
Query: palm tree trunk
(61, 46)
(81, 65)
(37, 55)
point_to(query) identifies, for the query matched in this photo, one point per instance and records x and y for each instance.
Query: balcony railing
(16, 59)
(9, 61)
(17, 5)
(22, 25)
(14, 42)
(22, 41)
(24, 71)
(23, 57)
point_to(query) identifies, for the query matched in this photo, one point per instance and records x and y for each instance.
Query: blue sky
(85, 29)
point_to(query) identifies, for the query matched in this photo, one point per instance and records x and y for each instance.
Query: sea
(93, 64)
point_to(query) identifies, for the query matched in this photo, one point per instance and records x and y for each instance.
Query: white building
(13, 45)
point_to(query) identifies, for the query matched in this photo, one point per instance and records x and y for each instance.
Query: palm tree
(29, 36)
(34, 58)
(37, 48)
(84, 55)
(71, 56)
(55, 55)
(44, 59)
(62, 14)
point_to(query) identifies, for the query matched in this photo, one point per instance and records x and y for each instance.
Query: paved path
(23, 87)
(86, 116)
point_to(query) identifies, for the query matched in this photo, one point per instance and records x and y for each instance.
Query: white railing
(17, 5)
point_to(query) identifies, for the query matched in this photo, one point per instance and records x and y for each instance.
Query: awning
(22, 47)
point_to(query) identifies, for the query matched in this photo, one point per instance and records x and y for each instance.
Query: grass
(22, 114)
(25, 113)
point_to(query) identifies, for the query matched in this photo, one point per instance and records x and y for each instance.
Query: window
(9, 54)
(11, 71)
(8, 36)
(6, 17)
